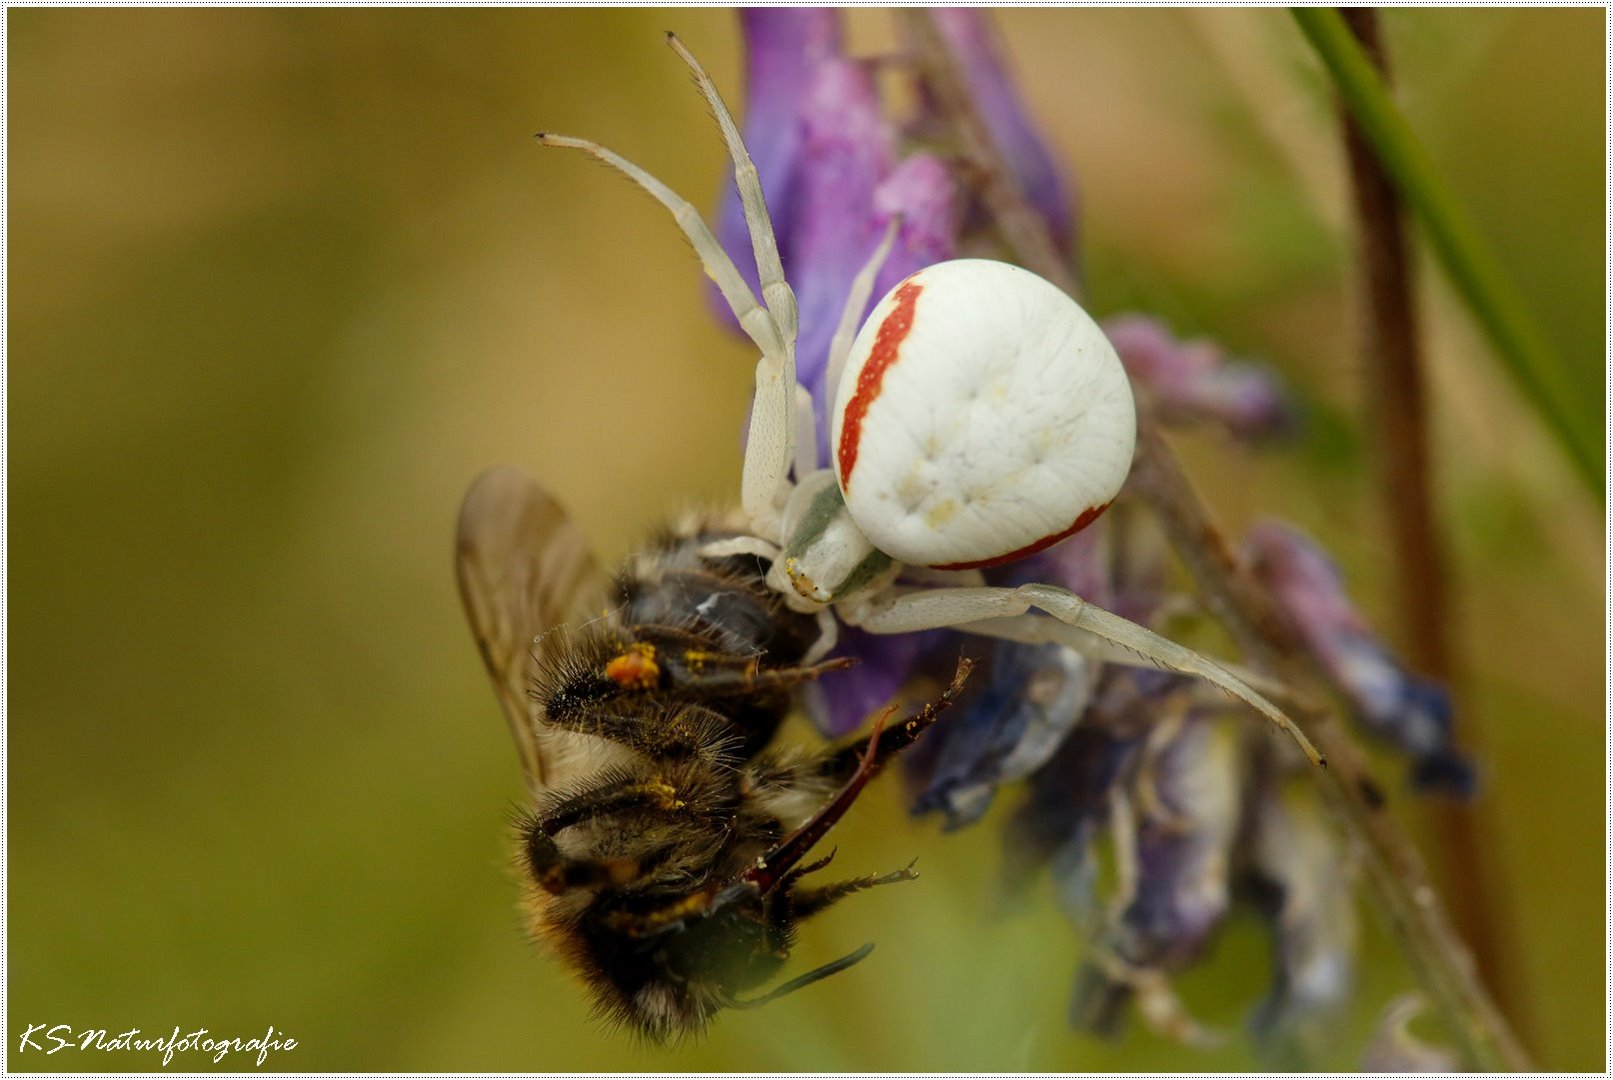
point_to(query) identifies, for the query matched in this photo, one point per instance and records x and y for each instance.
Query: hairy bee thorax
(684, 629)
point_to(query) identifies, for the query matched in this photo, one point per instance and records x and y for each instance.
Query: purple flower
(1409, 713)
(1305, 889)
(831, 166)
(884, 664)
(1174, 871)
(1194, 382)
(1066, 810)
(783, 49)
(970, 36)
(1030, 698)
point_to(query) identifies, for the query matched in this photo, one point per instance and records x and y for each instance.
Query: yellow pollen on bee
(635, 668)
(695, 659)
(667, 795)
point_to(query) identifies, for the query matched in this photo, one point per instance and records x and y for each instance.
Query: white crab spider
(979, 415)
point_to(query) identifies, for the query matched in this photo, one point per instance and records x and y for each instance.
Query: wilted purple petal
(855, 191)
(1194, 382)
(784, 47)
(1410, 713)
(846, 149)
(973, 42)
(1006, 729)
(1187, 819)
(1305, 883)
(1067, 810)
(1071, 795)
(826, 157)
(1186, 801)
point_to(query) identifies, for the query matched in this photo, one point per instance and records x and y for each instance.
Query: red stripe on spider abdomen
(1088, 516)
(887, 345)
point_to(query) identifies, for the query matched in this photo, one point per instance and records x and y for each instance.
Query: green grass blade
(1537, 367)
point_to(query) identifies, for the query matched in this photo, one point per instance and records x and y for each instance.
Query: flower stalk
(1392, 357)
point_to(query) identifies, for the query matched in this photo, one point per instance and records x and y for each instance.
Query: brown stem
(1394, 868)
(1394, 366)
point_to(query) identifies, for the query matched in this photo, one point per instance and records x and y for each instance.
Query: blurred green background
(282, 282)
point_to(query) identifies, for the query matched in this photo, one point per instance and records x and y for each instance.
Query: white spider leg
(756, 320)
(776, 291)
(770, 447)
(997, 607)
(828, 638)
(764, 482)
(806, 434)
(862, 287)
(1036, 630)
(740, 545)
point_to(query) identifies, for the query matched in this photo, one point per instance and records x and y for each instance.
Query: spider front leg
(1009, 613)
(770, 445)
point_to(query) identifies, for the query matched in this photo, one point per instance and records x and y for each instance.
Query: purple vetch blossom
(1024, 708)
(1410, 713)
(834, 174)
(1187, 811)
(1193, 382)
(1175, 871)
(1305, 885)
(1045, 186)
(783, 50)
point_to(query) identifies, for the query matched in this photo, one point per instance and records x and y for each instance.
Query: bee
(663, 859)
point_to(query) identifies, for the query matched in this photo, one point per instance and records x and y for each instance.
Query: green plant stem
(1475, 272)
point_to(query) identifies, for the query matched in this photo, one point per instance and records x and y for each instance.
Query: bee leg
(882, 745)
(675, 737)
(662, 917)
(750, 677)
(809, 902)
(845, 761)
(833, 967)
(556, 874)
(634, 794)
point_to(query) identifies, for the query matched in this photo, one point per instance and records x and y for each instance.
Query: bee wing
(523, 567)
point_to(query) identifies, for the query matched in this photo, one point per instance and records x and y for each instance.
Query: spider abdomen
(982, 416)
